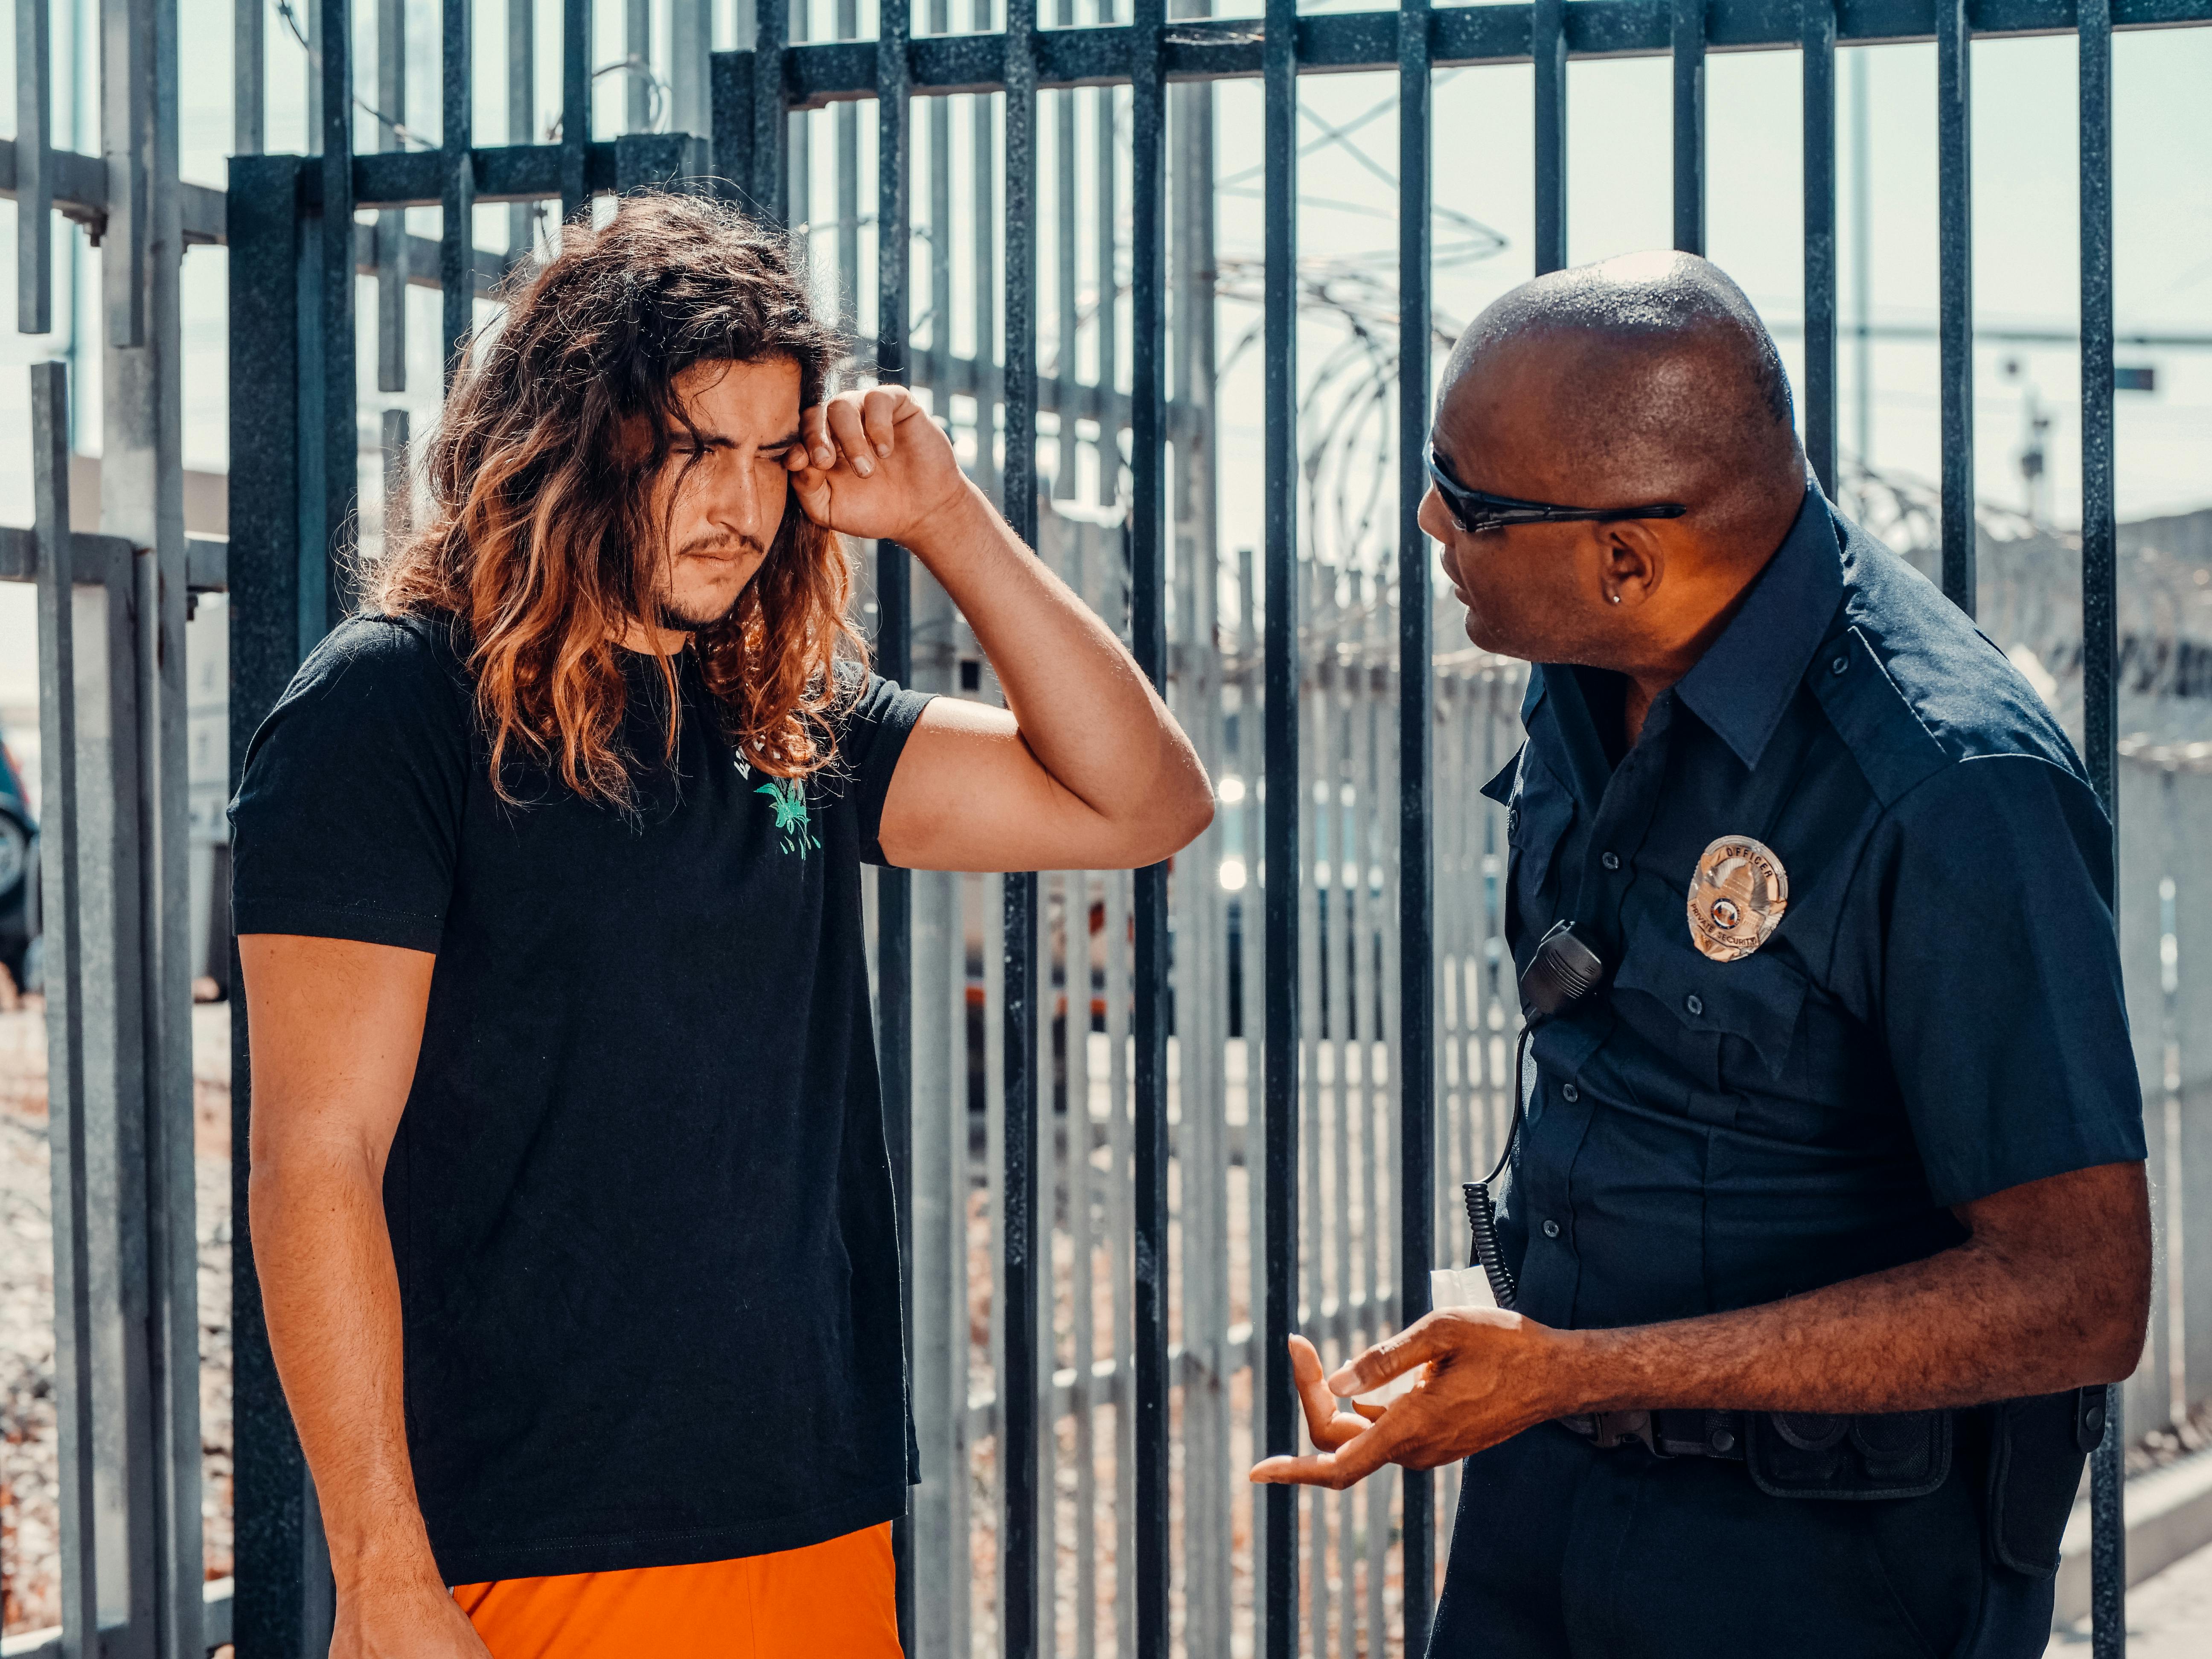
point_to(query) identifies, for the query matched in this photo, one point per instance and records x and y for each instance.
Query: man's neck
(1647, 680)
(653, 642)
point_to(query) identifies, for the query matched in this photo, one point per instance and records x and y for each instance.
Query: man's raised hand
(1488, 1376)
(873, 464)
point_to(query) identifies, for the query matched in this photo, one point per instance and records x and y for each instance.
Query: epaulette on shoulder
(1921, 687)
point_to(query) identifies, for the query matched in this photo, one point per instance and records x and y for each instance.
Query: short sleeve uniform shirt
(1936, 1016)
(638, 1197)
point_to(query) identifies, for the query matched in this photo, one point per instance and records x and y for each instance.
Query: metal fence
(1143, 1121)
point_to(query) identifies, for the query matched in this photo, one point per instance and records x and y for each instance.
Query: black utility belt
(1795, 1454)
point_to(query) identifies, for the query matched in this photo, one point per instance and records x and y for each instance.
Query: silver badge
(1737, 896)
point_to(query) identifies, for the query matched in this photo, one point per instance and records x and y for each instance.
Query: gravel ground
(30, 1589)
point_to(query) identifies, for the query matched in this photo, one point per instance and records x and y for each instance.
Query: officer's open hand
(1485, 1374)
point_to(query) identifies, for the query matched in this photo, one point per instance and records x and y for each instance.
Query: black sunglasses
(1476, 510)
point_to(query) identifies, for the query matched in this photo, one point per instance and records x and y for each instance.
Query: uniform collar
(1748, 676)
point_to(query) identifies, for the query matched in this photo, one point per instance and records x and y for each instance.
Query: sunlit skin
(1084, 769)
(2052, 1290)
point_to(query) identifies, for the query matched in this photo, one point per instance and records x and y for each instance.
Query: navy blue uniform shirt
(1936, 1016)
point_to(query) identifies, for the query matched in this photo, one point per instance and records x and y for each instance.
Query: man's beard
(677, 620)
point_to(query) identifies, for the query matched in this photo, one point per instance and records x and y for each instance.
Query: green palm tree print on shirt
(788, 798)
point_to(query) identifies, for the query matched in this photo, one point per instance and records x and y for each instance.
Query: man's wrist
(1582, 1371)
(386, 1566)
(960, 521)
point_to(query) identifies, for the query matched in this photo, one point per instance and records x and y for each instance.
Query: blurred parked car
(19, 840)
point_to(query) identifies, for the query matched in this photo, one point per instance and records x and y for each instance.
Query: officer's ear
(1631, 563)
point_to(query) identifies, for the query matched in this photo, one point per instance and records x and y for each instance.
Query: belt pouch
(1873, 1455)
(2037, 1447)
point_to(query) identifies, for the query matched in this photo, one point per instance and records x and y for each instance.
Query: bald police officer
(1827, 1209)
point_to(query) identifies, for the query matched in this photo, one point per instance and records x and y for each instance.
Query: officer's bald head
(1646, 379)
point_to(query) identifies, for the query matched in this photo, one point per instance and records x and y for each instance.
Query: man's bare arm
(336, 1027)
(2051, 1292)
(1084, 767)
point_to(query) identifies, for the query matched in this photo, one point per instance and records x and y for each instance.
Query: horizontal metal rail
(94, 558)
(47, 1644)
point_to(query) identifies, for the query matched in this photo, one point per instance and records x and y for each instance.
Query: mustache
(720, 546)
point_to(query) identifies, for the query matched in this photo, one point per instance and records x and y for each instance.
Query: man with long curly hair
(570, 1200)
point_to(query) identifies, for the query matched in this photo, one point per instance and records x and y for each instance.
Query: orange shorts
(836, 1600)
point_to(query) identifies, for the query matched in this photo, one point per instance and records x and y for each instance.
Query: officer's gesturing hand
(2045, 1294)
(1482, 1379)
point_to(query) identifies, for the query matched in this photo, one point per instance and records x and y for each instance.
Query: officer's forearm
(2052, 1291)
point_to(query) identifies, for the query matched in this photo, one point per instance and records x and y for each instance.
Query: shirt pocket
(1733, 1023)
(1538, 816)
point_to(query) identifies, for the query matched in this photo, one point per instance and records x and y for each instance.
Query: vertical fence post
(1415, 1061)
(248, 70)
(770, 186)
(895, 659)
(65, 1065)
(457, 181)
(1689, 48)
(34, 168)
(521, 111)
(1283, 861)
(1022, 1612)
(2108, 1538)
(1955, 322)
(283, 1607)
(1819, 107)
(1547, 39)
(391, 222)
(126, 116)
(1148, 638)
(575, 104)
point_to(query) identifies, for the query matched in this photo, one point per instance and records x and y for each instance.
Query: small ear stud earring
(1615, 598)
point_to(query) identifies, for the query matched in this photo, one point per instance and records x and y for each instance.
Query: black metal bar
(1149, 640)
(1819, 107)
(1229, 48)
(895, 659)
(2108, 1532)
(521, 109)
(391, 222)
(1689, 48)
(637, 49)
(249, 55)
(34, 169)
(1547, 39)
(730, 94)
(457, 222)
(275, 539)
(1283, 861)
(767, 191)
(1415, 1065)
(575, 104)
(1955, 319)
(126, 121)
(75, 1410)
(848, 182)
(330, 406)
(1021, 1612)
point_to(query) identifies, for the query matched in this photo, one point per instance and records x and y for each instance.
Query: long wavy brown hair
(541, 542)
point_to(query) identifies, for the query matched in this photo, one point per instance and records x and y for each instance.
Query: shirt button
(1840, 665)
(1570, 1094)
(1551, 1230)
(1695, 1004)
(1611, 861)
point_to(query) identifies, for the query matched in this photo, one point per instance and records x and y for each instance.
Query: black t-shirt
(639, 1200)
